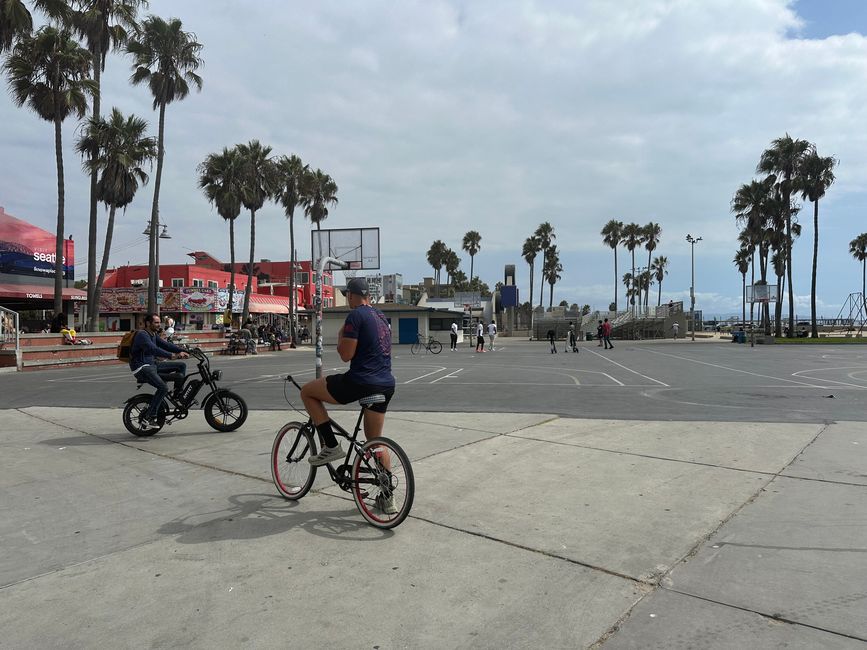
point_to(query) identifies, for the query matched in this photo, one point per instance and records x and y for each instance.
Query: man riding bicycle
(364, 341)
(146, 346)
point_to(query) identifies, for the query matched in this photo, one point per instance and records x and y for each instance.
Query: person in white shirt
(454, 335)
(492, 334)
(480, 336)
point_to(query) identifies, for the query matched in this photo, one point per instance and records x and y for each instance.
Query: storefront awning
(39, 292)
(264, 304)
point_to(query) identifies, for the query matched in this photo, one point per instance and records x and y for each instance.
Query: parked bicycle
(377, 473)
(431, 345)
(224, 410)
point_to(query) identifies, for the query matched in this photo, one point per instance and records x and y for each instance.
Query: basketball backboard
(357, 246)
(472, 298)
(761, 293)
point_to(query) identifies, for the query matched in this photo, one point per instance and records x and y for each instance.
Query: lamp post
(164, 234)
(692, 242)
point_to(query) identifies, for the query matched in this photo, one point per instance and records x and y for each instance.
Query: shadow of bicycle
(252, 516)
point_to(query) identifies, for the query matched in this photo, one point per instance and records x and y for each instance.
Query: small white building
(407, 322)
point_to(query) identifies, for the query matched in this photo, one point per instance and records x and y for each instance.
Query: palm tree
(742, 262)
(816, 176)
(48, 72)
(612, 234)
(659, 268)
(15, 21)
(472, 244)
(532, 246)
(545, 234)
(122, 149)
(165, 57)
(632, 235)
(858, 250)
(436, 258)
(291, 173)
(652, 233)
(757, 208)
(220, 179)
(783, 159)
(452, 263)
(552, 271)
(320, 191)
(258, 183)
(103, 24)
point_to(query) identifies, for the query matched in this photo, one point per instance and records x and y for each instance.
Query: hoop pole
(317, 302)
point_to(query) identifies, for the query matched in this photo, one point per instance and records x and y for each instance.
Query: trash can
(588, 336)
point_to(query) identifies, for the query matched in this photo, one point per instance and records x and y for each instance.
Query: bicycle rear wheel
(436, 347)
(293, 475)
(383, 485)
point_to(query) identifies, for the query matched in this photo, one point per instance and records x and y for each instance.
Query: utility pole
(692, 242)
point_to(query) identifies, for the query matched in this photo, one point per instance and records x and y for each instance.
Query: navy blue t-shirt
(372, 361)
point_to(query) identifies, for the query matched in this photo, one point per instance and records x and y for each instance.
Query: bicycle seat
(372, 399)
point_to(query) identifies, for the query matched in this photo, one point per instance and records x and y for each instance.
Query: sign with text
(26, 249)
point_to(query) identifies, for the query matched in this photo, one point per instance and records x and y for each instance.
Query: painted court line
(716, 365)
(602, 356)
(440, 369)
(451, 374)
(802, 373)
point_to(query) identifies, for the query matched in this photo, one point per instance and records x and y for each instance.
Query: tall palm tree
(783, 159)
(452, 263)
(612, 234)
(632, 235)
(48, 72)
(220, 180)
(103, 24)
(532, 246)
(15, 21)
(320, 191)
(436, 258)
(546, 236)
(742, 262)
(472, 243)
(659, 268)
(651, 235)
(858, 250)
(258, 183)
(816, 176)
(122, 150)
(552, 271)
(291, 175)
(757, 208)
(166, 58)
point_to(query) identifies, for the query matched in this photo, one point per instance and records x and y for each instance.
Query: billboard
(26, 249)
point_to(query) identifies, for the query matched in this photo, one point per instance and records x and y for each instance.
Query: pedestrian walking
(552, 339)
(454, 336)
(480, 336)
(675, 328)
(599, 329)
(492, 334)
(606, 335)
(573, 339)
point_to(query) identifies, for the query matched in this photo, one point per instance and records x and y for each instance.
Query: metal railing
(9, 329)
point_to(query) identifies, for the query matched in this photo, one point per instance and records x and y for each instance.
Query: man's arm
(166, 346)
(347, 338)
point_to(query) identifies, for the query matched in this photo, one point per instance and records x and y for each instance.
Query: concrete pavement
(528, 530)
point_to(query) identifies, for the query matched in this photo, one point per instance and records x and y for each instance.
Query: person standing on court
(599, 333)
(480, 336)
(573, 341)
(606, 335)
(552, 339)
(675, 327)
(492, 334)
(454, 336)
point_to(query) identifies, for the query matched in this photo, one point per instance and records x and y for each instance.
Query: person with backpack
(146, 347)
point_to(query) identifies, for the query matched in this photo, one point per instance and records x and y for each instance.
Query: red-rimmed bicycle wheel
(383, 485)
(293, 475)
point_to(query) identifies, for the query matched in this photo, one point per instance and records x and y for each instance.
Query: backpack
(124, 348)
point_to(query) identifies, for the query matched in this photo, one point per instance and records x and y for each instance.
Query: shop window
(198, 283)
(177, 282)
(212, 284)
(302, 277)
(439, 324)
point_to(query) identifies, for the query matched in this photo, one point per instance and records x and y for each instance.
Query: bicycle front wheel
(383, 485)
(436, 347)
(415, 347)
(293, 475)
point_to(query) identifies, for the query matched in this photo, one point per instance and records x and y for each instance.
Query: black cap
(358, 286)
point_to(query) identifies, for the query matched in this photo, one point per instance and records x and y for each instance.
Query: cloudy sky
(437, 117)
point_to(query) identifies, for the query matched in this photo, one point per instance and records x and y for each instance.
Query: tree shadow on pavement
(251, 516)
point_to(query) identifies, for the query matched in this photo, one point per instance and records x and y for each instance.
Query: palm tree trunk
(551, 296)
(154, 272)
(58, 241)
(249, 288)
(472, 260)
(778, 312)
(744, 300)
(616, 280)
(106, 251)
(92, 297)
(864, 284)
(814, 330)
(230, 306)
(659, 300)
(632, 281)
(789, 288)
(292, 276)
(542, 278)
(753, 282)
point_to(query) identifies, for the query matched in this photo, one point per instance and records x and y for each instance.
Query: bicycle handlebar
(289, 378)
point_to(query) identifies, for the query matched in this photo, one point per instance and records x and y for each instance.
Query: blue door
(407, 330)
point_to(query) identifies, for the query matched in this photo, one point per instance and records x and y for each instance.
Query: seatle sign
(26, 249)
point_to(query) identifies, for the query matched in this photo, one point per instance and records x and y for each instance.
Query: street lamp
(692, 242)
(164, 234)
